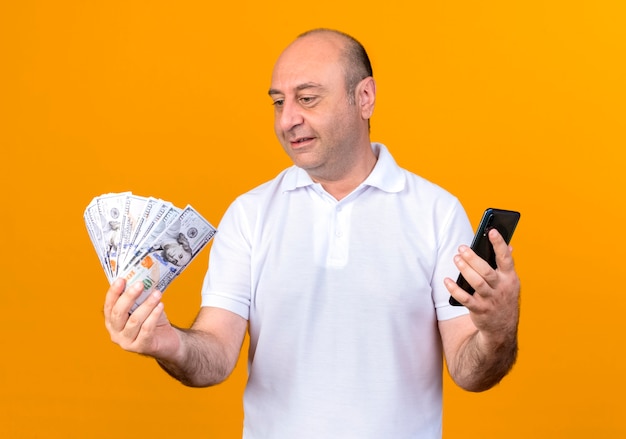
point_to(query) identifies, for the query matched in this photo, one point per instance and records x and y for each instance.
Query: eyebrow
(300, 87)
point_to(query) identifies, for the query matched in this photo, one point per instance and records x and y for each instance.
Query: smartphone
(505, 222)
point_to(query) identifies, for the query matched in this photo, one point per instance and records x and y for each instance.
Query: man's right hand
(147, 330)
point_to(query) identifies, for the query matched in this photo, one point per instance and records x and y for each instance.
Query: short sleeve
(227, 280)
(456, 230)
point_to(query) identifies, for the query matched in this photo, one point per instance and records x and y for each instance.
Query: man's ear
(366, 97)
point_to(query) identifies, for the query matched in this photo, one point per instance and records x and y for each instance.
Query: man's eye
(278, 102)
(307, 100)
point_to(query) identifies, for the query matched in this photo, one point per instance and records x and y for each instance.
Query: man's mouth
(300, 141)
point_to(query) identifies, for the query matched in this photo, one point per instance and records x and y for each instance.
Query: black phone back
(505, 221)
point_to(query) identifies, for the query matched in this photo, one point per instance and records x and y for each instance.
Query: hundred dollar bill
(145, 222)
(93, 224)
(162, 216)
(110, 208)
(134, 206)
(170, 253)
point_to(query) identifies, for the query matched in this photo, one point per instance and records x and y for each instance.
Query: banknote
(145, 239)
(134, 207)
(170, 253)
(110, 209)
(92, 222)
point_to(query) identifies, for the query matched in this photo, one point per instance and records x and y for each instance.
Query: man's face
(313, 119)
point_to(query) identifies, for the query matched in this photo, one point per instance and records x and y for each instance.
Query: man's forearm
(481, 365)
(201, 363)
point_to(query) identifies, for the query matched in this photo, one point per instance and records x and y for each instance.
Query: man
(340, 269)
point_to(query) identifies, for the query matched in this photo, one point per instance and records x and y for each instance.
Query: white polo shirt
(343, 299)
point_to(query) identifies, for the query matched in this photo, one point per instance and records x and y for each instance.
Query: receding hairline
(348, 39)
(353, 54)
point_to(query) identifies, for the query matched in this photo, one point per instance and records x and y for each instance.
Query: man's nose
(290, 116)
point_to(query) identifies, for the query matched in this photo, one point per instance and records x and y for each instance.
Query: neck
(345, 181)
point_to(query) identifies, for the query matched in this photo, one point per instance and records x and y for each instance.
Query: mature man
(341, 269)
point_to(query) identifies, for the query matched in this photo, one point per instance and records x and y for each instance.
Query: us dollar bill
(163, 216)
(110, 208)
(144, 239)
(134, 206)
(170, 253)
(93, 225)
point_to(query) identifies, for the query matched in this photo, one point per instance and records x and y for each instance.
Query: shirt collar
(386, 175)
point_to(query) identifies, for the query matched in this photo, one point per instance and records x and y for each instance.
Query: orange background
(515, 105)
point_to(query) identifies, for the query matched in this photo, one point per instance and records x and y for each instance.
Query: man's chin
(307, 165)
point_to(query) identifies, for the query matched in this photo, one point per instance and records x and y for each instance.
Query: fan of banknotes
(144, 238)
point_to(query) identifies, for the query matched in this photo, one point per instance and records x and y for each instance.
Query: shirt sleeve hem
(227, 303)
(450, 312)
